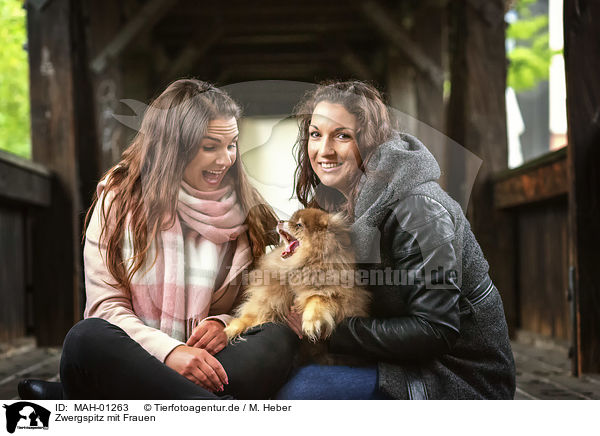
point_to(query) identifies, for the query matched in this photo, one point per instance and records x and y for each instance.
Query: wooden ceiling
(238, 40)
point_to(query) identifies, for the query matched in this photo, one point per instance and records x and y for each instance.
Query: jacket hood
(396, 167)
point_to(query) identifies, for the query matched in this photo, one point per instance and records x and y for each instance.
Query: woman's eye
(344, 136)
(314, 134)
(209, 148)
(232, 146)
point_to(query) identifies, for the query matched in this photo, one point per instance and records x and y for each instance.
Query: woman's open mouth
(291, 243)
(213, 177)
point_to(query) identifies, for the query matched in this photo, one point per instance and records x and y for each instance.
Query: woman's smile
(330, 166)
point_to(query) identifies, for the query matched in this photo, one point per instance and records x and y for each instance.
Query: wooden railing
(24, 189)
(536, 195)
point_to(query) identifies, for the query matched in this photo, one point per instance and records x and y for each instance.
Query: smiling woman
(337, 131)
(172, 228)
(431, 336)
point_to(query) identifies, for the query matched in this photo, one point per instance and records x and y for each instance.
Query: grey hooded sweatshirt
(437, 327)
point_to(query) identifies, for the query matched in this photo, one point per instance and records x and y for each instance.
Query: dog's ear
(338, 219)
(323, 221)
(338, 226)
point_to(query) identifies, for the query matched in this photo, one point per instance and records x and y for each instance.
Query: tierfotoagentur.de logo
(27, 416)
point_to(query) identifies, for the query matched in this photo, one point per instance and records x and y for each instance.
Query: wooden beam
(413, 93)
(23, 181)
(430, 28)
(545, 180)
(397, 36)
(301, 72)
(152, 11)
(476, 119)
(348, 58)
(582, 63)
(241, 60)
(176, 32)
(13, 274)
(62, 134)
(193, 52)
(355, 64)
(270, 39)
(106, 20)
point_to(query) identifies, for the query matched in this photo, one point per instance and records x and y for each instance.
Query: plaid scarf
(173, 292)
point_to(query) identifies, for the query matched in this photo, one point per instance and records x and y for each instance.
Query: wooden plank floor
(24, 360)
(543, 369)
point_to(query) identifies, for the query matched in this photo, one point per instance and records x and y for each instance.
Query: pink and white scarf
(174, 293)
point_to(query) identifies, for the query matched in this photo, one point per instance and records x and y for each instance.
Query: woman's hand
(198, 366)
(209, 335)
(294, 321)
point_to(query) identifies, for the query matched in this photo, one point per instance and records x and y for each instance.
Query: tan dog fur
(324, 247)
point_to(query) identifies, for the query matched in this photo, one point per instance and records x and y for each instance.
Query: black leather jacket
(416, 319)
(437, 329)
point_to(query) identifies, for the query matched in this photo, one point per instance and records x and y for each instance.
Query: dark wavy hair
(374, 127)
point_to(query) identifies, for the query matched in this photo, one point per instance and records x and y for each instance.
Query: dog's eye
(299, 226)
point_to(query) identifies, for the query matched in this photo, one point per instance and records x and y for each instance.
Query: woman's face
(332, 147)
(216, 154)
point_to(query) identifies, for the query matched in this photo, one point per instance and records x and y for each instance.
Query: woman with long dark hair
(437, 327)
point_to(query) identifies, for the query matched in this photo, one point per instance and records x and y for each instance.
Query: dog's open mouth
(291, 243)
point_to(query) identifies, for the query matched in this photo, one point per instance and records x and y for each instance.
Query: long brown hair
(144, 185)
(375, 126)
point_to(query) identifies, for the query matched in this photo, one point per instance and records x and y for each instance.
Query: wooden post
(107, 19)
(476, 119)
(398, 37)
(63, 139)
(582, 46)
(414, 93)
(430, 29)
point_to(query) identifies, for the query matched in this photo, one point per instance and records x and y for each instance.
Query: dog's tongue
(289, 250)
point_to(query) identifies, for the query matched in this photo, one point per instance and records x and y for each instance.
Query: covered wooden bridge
(537, 223)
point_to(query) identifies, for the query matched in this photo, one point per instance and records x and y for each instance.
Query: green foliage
(14, 80)
(530, 58)
(522, 7)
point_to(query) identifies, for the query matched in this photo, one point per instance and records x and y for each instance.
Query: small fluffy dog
(309, 271)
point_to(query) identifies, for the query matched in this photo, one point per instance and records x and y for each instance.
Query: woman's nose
(224, 159)
(326, 147)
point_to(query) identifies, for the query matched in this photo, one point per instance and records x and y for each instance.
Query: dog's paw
(317, 326)
(235, 328)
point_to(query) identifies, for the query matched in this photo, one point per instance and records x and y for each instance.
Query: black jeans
(100, 361)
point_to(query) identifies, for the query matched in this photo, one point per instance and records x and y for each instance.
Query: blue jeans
(322, 382)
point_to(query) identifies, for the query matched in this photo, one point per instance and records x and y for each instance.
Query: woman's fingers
(205, 333)
(196, 335)
(206, 338)
(204, 380)
(211, 379)
(198, 366)
(217, 344)
(196, 376)
(217, 368)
